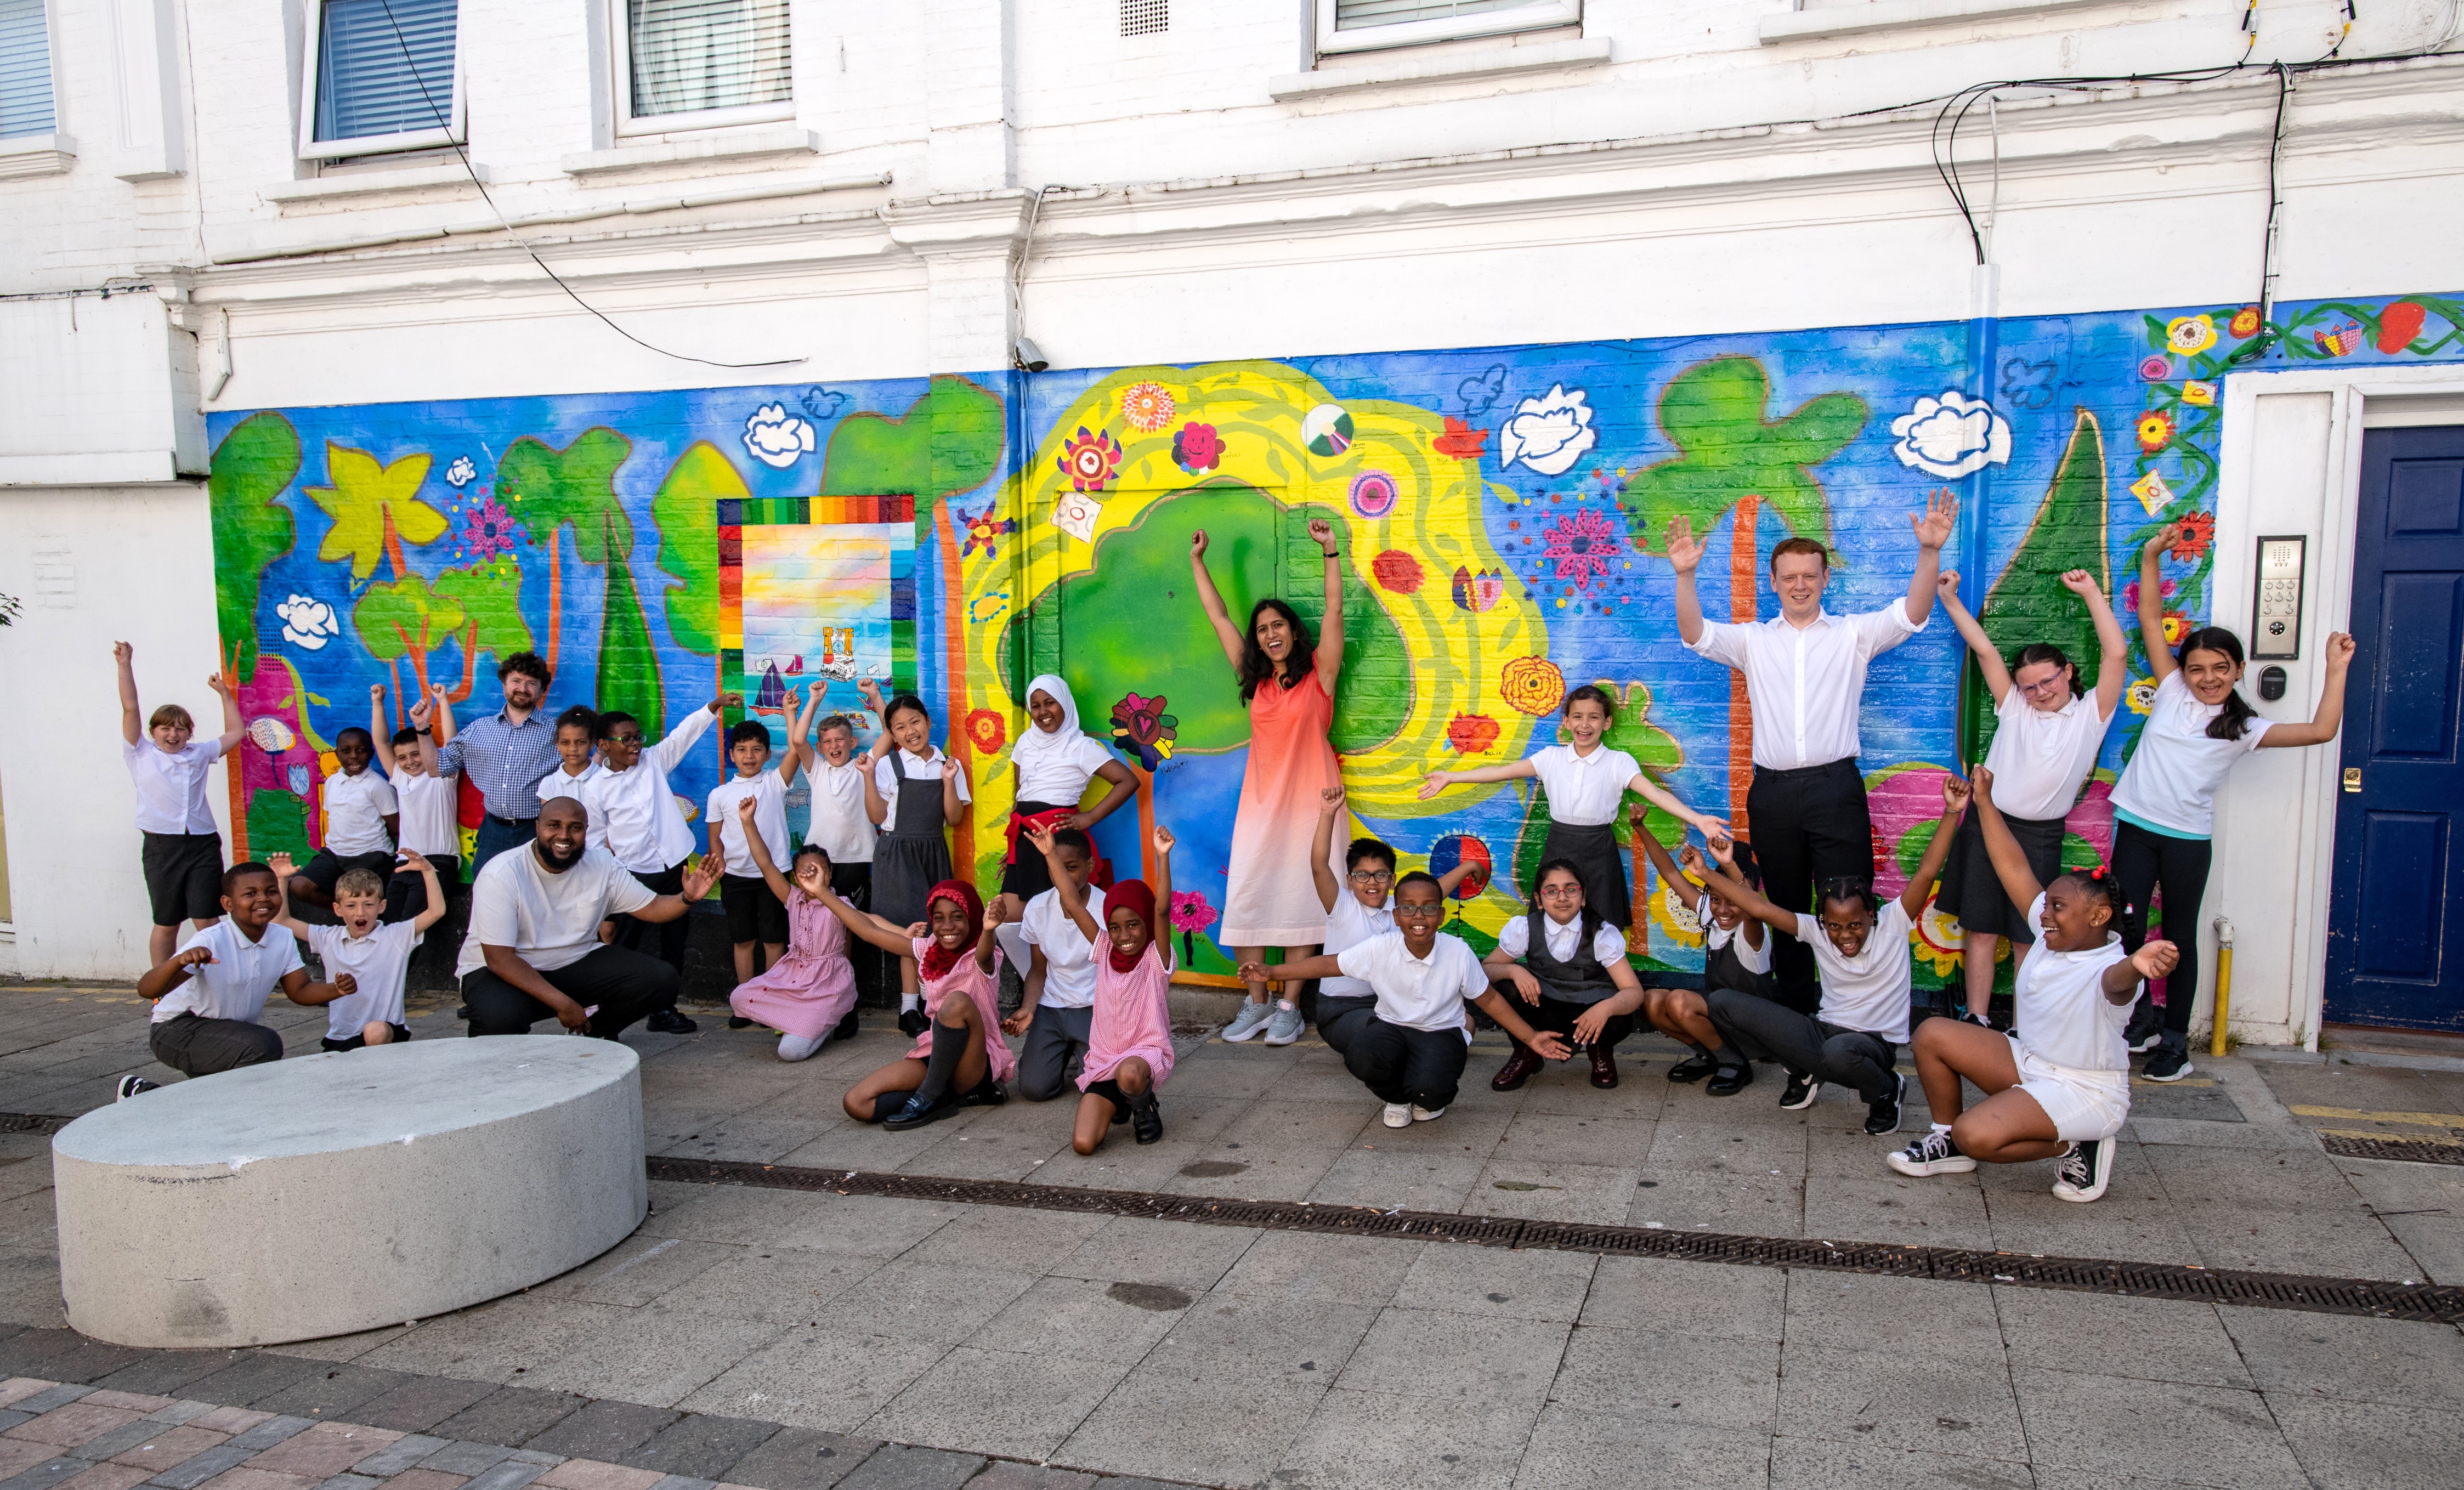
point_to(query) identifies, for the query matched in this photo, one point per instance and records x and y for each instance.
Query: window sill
(1855, 20)
(1493, 63)
(362, 183)
(100, 468)
(736, 146)
(36, 154)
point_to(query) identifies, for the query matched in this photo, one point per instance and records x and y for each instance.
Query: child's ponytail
(2234, 720)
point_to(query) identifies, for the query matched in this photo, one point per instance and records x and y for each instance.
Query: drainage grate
(33, 1123)
(2408, 1150)
(2432, 1303)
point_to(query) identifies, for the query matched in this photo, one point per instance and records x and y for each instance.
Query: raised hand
(1954, 796)
(1196, 544)
(1946, 585)
(870, 690)
(280, 864)
(795, 702)
(1941, 515)
(728, 698)
(1038, 835)
(1980, 784)
(699, 879)
(1437, 781)
(811, 878)
(2155, 959)
(121, 653)
(993, 909)
(1321, 533)
(412, 860)
(1330, 799)
(2340, 651)
(745, 807)
(1685, 549)
(1690, 860)
(422, 714)
(376, 693)
(2166, 538)
(1163, 841)
(1725, 850)
(2080, 582)
(918, 930)
(223, 685)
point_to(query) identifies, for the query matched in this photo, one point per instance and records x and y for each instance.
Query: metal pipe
(2224, 984)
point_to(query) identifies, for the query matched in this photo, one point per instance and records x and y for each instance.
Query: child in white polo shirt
(361, 814)
(372, 954)
(430, 808)
(646, 830)
(1059, 1017)
(183, 855)
(208, 994)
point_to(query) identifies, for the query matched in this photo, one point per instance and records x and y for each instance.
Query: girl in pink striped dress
(959, 1060)
(1129, 1051)
(811, 992)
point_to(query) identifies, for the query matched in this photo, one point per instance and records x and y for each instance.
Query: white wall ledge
(733, 145)
(1492, 62)
(1854, 20)
(363, 184)
(101, 469)
(36, 154)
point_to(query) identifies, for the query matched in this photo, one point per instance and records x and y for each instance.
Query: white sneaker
(1251, 1018)
(1421, 1115)
(2086, 1171)
(1398, 1114)
(1284, 1025)
(1931, 1153)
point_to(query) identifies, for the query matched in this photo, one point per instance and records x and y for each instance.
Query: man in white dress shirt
(1805, 683)
(643, 828)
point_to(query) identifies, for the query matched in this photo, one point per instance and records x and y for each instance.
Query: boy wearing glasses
(1358, 907)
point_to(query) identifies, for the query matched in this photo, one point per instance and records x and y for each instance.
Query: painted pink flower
(2130, 596)
(489, 529)
(1582, 545)
(1197, 449)
(1190, 911)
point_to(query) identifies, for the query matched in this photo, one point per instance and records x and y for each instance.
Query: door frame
(2269, 470)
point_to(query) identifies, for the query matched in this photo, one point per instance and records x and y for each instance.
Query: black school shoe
(2166, 1065)
(847, 1029)
(919, 1112)
(911, 1021)
(667, 1022)
(1731, 1080)
(1882, 1113)
(738, 1022)
(986, 1093)
(1802, 1090)
(1146, 1120)
(1694, 1068)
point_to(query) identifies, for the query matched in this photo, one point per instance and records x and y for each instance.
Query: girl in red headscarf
(957, 1062)
(1129, 1050)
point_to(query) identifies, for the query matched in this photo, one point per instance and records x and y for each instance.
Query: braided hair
(2101, 882)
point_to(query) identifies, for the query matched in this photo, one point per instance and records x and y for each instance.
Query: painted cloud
(777, 437)
(1548, 434)
(307, 623)
(1951, 435)
(461, 473)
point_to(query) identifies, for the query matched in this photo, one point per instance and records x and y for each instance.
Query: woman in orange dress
(1288, 684)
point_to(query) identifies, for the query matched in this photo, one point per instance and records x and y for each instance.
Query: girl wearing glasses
(1358, 907)
(2046, 737)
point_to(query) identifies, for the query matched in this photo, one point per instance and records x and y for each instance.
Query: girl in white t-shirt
(2058, 1085)
(1586, 782)
(2048, 733)
(2164, 806)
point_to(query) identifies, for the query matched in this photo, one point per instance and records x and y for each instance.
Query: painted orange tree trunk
(1744, 574)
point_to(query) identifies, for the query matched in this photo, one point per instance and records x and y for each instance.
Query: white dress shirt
(356, 807)
(645, 828)
(1805, 686)
(1751, 957)
(1059, 775)
(2039, 757)
(377, 963)
(550, 920)
(1608, 943)
(1418, 992)
(171, 787)
(769, 796)
(838, 822)
(899, 766)
(431, 826)
(1347, 925)
(236, 983)
(2171, 783)
(1584, 791)
(1068, 956)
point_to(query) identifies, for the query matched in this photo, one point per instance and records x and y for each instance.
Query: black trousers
(1055, 1051)
(1402, 1065)
(194, 1045)
(1557, 1016)
(875, 980)
(626, 986)
(1808, 826)
(667, 938)
(406, 893)
(2145, 861)
(1340, 1018)
(1762, 1030)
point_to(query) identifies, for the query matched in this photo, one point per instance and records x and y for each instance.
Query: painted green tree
(405, 618)
(949, 441)
(251, 468)
(490, 597)
(549, 489)
(1714, 413)
(685, 511)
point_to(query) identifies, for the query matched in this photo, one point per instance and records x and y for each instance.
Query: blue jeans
(494, 838)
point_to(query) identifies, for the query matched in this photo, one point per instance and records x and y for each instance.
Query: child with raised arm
(1058, 1013)
(2046, 739)
(646, 830)
(183, 852)
(1358, 907)
(430, 838)
(958, 1061)
(1570, 967)
(1585, 782)
(1129, 1051)
(1862, 950)
(756, 917)
(1736, 954)
(2058, 1085)
(362, 816)
(808, 995)
(837, 822)
(2165, 805)
(209, 994)
(1411, 1052)
(367, 957)
(913, 793)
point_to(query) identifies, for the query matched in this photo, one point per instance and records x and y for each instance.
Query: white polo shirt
(1608, 943)
(556, 784)
(237, 982)
(1061, 775)
(1068, 958)
(838, 822)
(430, 820)
(1584, 790)
(1805, 686)
(2058, 1004)
(2171, 783)
(769, 797)
(1418, 992)
(172, 785)
(2039, 757)
(1347, 925)
(1751, 957)
(550, 920)
(645, 829)
(377, 962)
(356, 807)
(1869, 991)
(899, 766)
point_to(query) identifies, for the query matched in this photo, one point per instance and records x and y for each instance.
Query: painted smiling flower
(1532, 685)
(1090, 461)
(1197, 449)
(1146, 406)
(2155, 429)
(2141, 696)
(1676, 918)
(1939, 939)
(1582, 545)
(1141, 727)
(2191, 335)
(1548, 434)
(2198, 535)
(488, 530)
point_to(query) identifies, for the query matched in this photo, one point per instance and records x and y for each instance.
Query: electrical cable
(464, 156)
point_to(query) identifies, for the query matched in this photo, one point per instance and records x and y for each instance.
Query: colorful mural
(1500, 513)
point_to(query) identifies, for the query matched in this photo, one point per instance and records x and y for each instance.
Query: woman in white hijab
(1055, 762)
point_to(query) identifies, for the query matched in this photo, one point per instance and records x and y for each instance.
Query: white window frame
(312, 148)
(1537, 15)
(620, 81)
(22, 143)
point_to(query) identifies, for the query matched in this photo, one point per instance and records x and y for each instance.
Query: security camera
(1030, 356)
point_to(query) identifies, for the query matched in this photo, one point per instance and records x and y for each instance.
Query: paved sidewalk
(1226, 1356)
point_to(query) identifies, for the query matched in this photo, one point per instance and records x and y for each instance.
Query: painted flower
(1197, 449)
(1373, 493)
(1141, 727)
(2342, 341)
(1471, 735)
(1190, 911)
(985, 609)
(461, 474)
(1398, 572)
(2176, 626)
(1938, 939)
(2155, 369)
(1548, 434)
(488, 530)
(1478, 592)
(986, 732)
(982, 529)
(1675, 915)
(2244, 322)
(777, 438)
(307, 622)
(1146, 406)
(1582, 545)
(1532, 685)
(2155, 430)
(2198, 535)
(271, 734)
(1951, 436)
(2399, 324)
(2131, 595)
(2141, 696)
(1090, 461)
(2191, 335)
(1461, 440)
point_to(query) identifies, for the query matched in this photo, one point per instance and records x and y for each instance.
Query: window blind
(690, 55)
(384, 67)
(25, 69)
(1352, 15)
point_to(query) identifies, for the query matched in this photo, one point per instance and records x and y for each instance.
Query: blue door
(2395, 943)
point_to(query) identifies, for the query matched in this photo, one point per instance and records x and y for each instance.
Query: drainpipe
(2224, 984)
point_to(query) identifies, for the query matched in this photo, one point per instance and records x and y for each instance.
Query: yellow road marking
(2357, 1115)
(2387, 1138)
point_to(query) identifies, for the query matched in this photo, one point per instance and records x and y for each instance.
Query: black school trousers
(1402, 1065)
(2145, 863)
(1808, 826)
(667, 938)
(626, 986)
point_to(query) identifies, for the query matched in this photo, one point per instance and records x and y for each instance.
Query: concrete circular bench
(343, 1191)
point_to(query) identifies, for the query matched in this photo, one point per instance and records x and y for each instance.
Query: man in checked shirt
(504, 755)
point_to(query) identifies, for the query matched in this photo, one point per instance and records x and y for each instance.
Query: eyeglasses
(1420, 912)
(2052, 685)
(1560, 891)
(1372, 876)
(624, 739)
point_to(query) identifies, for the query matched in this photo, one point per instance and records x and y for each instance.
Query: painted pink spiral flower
(1582, 545)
